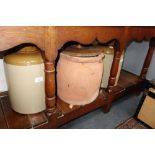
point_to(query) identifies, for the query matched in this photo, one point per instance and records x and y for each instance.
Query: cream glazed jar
(107, 63)
(25, 79)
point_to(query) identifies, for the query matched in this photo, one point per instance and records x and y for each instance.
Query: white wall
(133, 62)
(3, 85)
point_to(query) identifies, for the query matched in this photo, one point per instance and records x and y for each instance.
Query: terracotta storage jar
(79, 74)
(120, 63)
(25, 79)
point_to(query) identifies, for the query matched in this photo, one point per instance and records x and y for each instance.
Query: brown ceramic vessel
(79, 74)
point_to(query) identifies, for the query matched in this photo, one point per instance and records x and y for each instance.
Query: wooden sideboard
(50, 40)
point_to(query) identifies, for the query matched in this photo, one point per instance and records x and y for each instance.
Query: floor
(132, 123)
(120, 111)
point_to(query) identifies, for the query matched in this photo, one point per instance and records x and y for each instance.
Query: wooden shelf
(127, 83)
(50, 41)
(13, 120)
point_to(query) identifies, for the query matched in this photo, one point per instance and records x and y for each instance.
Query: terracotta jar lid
(79, 51)
(25, 57)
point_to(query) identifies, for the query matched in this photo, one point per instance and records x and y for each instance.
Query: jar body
(107, 68)
(25, 82)
(79, 78)
(107, 63)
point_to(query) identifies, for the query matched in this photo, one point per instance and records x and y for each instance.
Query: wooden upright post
(113, 73)
(148, 59)
(115, 66)
(50, 86)
(50, 57)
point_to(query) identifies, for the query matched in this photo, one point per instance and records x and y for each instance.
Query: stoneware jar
(107, 63)
(25, 79)
(109, 55)
(79, 74)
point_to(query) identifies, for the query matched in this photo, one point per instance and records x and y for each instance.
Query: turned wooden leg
(148, 59)
(107, 105)
(50, 86)
(113, 74)
(107, 108)
(115, 65)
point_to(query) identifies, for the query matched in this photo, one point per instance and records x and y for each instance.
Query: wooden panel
(16, 120)
(13, 119)
(116, 89)
(124, 82)
(125, 86)
(12, 36)
(128, 77)
(38, 119)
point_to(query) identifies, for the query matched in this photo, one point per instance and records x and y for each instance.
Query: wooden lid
(106, 49)
(24, 57)
(79, 51)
